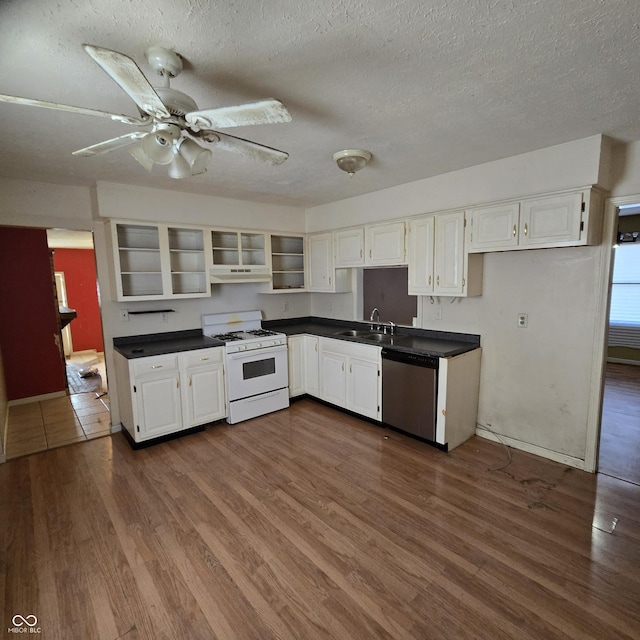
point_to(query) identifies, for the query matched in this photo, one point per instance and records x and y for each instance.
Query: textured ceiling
(427, 87)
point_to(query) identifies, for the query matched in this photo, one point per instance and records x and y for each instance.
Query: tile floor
(47, 424)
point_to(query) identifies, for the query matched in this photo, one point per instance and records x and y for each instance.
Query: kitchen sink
(354, 333)
(378, 337)
(364, 334)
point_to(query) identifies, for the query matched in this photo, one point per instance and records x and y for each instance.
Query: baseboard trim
(635, 363)
(44, 396)
(570, 461)
(115, 428)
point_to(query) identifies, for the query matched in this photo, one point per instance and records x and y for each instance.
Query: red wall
(28, 323)
(80, 277)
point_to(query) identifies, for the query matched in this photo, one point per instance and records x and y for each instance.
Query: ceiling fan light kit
(351, 160)
(175, 117)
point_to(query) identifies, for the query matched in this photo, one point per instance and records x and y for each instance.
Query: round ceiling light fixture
(351, 160)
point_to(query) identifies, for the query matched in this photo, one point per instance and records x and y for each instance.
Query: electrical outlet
(523, 320)
(165, 316)
(285, 306)
(438, 314)
(124, 315)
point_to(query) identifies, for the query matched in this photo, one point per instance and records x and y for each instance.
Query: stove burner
(261, 333)
(228, 337)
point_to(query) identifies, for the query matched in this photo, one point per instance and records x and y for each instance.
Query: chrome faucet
(392, 328)
(375, 314)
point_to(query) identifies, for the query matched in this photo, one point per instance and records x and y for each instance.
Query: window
(624, 313)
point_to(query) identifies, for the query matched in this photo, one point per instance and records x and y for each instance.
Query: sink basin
(355, 333)
(377, 337)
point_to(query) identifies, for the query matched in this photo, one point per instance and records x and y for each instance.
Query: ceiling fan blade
(127, 74)
(268, 111)
(29, 102)
(245, 147)
(110, 145)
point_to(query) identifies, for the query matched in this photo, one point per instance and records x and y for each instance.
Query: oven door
(250, 373)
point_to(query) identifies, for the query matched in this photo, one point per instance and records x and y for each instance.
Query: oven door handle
(255, 353)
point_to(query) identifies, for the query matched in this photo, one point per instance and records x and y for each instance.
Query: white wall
(535, 382)
(565, 166)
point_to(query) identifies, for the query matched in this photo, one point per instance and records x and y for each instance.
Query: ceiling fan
(177, 125)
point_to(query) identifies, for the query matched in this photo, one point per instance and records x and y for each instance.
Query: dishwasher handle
(415, 359)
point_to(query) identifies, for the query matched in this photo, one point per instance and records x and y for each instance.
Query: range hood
(222, 275)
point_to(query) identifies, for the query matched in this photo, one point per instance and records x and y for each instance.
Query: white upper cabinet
(238, 248)
(153, 262)
(438, 262)
(495, 226)
(421, 250)
(321, 273)
(555, 219)
(559, 220)
(349, 248)
(286, 255)
(385, 244)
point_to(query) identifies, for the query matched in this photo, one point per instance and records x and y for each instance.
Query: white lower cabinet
(303, 365)
(295, 352)
(350, 376)
(161, 395)
(203, 390)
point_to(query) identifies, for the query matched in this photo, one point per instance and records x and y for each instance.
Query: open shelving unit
(140, 260)
(187, 261)
(238, 248)
(287, 263)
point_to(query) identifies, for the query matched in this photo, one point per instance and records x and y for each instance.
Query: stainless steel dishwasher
(409, 392)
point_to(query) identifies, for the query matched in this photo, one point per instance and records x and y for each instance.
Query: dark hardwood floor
(307, 524)
(620, 431)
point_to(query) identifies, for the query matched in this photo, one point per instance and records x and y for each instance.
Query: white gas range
(257, 375)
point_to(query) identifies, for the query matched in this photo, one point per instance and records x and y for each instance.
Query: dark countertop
(442, 344)
(157, 344)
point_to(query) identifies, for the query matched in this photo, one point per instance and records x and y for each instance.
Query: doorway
(37, 423)
(620, 423)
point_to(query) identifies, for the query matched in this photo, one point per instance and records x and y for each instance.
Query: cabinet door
(386, 244)
(421, 244)
(449, 253)
(312, 365)
(159, 410)
(333, 378)
(295, 345)
(494, 228)
(551, 221)
(320, 261)
(349, 248)
(363, 387)
(205, 395)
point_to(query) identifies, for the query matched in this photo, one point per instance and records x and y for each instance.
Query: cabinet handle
(429, 280)
(189, 380)
(316, 346)
(370, 255)
(156, 366)
(514, 230)
(177, 383)
(361, 253)
(205, 358)
(526, 230)
(329, 279)
(350, 368)
(343, 366)
(438, 281)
